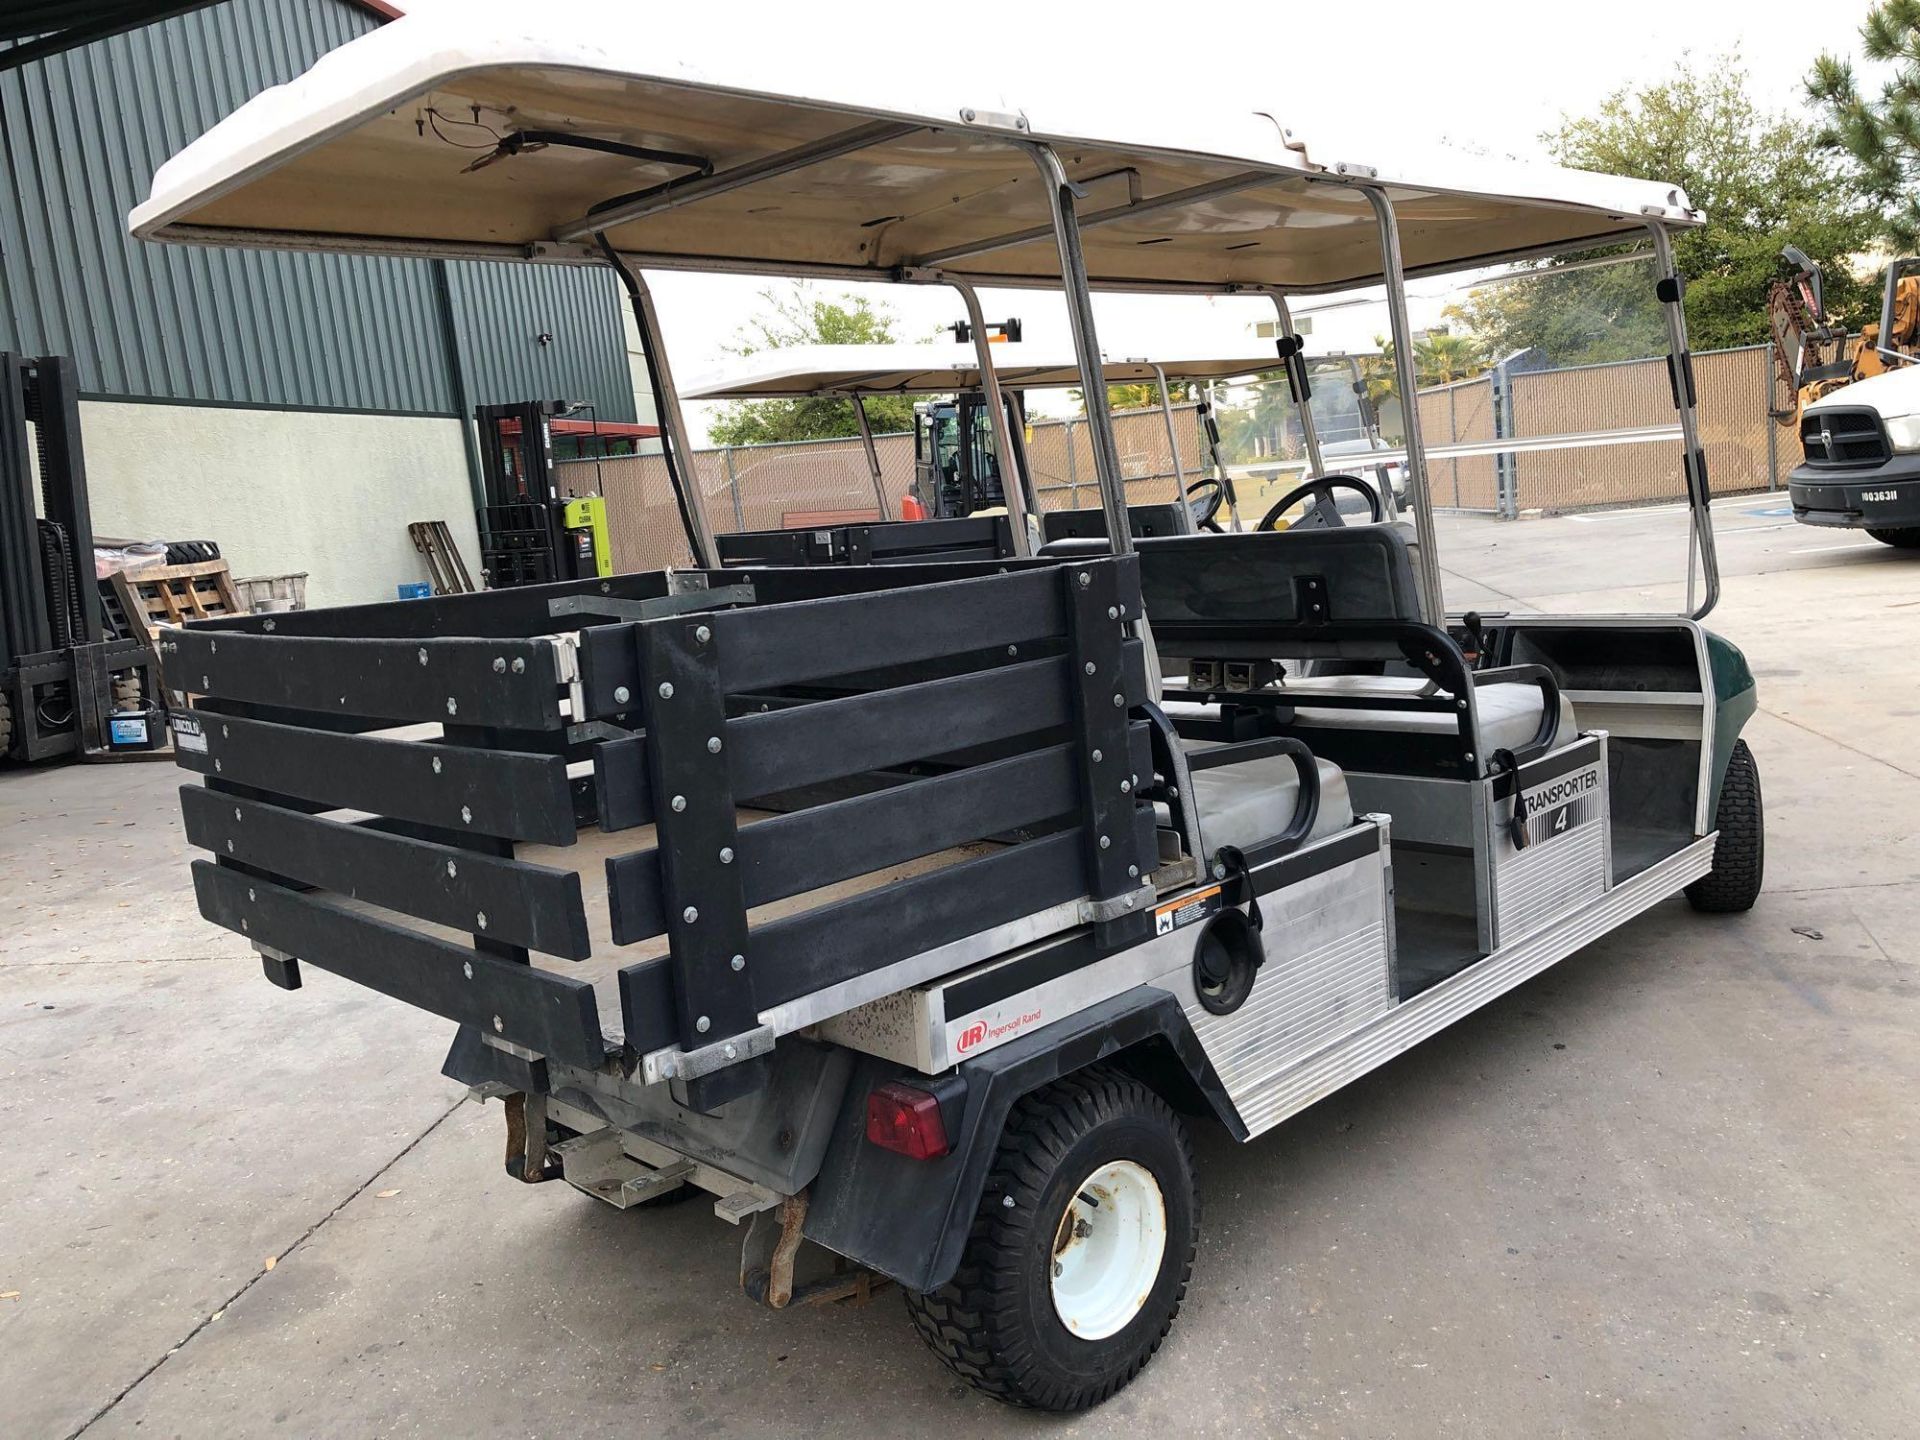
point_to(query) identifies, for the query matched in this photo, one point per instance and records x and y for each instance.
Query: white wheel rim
(1107, 1250)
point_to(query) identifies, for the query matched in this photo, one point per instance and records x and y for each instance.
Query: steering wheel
(1328, 510)
(1205, 497)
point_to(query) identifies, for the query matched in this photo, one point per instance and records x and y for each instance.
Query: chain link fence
(1731, 390)
(827, 482)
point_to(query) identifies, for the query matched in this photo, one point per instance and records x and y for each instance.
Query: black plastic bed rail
(365, 793)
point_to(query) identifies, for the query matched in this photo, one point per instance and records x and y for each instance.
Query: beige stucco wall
(282, 490)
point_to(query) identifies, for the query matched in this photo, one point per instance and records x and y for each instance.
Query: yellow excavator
(1812, 357)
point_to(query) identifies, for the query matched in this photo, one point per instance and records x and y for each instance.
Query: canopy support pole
(1309, 430)
(873, 455)
(1086, 344)
(1173, 448)
(1428, 556)
(675, 448)
(1013, 483)
(1700, 544)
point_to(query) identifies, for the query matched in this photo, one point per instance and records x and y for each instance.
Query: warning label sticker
(1187, 909)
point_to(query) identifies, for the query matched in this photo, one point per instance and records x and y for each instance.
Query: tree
(1144, 395)
(1440, 358)
(1763, 183)
(1880, 135)
(798, 316)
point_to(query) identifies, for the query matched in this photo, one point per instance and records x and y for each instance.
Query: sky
(1352, 78)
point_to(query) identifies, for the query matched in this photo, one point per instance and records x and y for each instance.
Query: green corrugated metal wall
(80, 137)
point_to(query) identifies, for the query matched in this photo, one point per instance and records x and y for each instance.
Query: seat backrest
(1200, 589)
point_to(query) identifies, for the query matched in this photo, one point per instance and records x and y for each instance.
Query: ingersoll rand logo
(972, 1036)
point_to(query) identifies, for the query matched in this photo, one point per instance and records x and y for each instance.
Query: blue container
(415, 590)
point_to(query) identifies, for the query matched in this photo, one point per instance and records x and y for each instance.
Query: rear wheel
(1740, 853)
(1079, 1255)
(1899, 539)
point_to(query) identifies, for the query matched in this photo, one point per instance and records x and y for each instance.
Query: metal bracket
(673, 1063)
(598, 1165)
(1094, 912)
(678, 603)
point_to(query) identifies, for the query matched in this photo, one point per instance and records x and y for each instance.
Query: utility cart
(857, 373)
(914, 912)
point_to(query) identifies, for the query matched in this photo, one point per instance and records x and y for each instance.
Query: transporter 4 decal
(1563, 804)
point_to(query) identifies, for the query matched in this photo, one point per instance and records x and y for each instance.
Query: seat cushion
(1243, 805)
(1509, 713)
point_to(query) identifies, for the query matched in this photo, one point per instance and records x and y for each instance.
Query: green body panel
(1735, 699)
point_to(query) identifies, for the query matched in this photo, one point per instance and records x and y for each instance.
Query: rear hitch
(528, 1160)
(770, 1253)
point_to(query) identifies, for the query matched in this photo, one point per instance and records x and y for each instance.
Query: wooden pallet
(172, 594)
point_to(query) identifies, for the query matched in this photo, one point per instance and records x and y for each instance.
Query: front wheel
(1079, 1254)
(1899, 539)
(1740, 853)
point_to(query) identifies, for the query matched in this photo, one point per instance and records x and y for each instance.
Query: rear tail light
(906, 1121)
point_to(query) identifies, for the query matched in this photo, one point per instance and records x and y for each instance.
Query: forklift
(955, 469)
(532, 534)
(75, 679)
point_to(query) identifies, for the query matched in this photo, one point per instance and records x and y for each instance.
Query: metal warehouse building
(298, 409)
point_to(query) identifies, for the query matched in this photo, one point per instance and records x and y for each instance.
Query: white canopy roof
(938, 369)
(478, 131)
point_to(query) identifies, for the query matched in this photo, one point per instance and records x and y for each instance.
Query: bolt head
(481, 920)
(1106, 842)
(436, 765)
(271, 626)
(219, 765)
(519, 664)
(236, 812)
(1013, 649)
(739, 962)
(422, 653)
(726, 854)
(1085, 579)
(452, 870)
(1007, 1201)
(690, 914)
(250, 894)
(466, 969)
(703, 1024)
(713, 744)
(1219, 872)
(679, 803)
(1126, 787)
(1090, 667)
(731, 1053)
(1097, 757)
(453, 706)
(499, 664)
(666, 690)
(1113, 612)
(1133, 872)
(1118, 701)
(703, 634)
(621, 695)
(466, 815)
(498, 1025)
